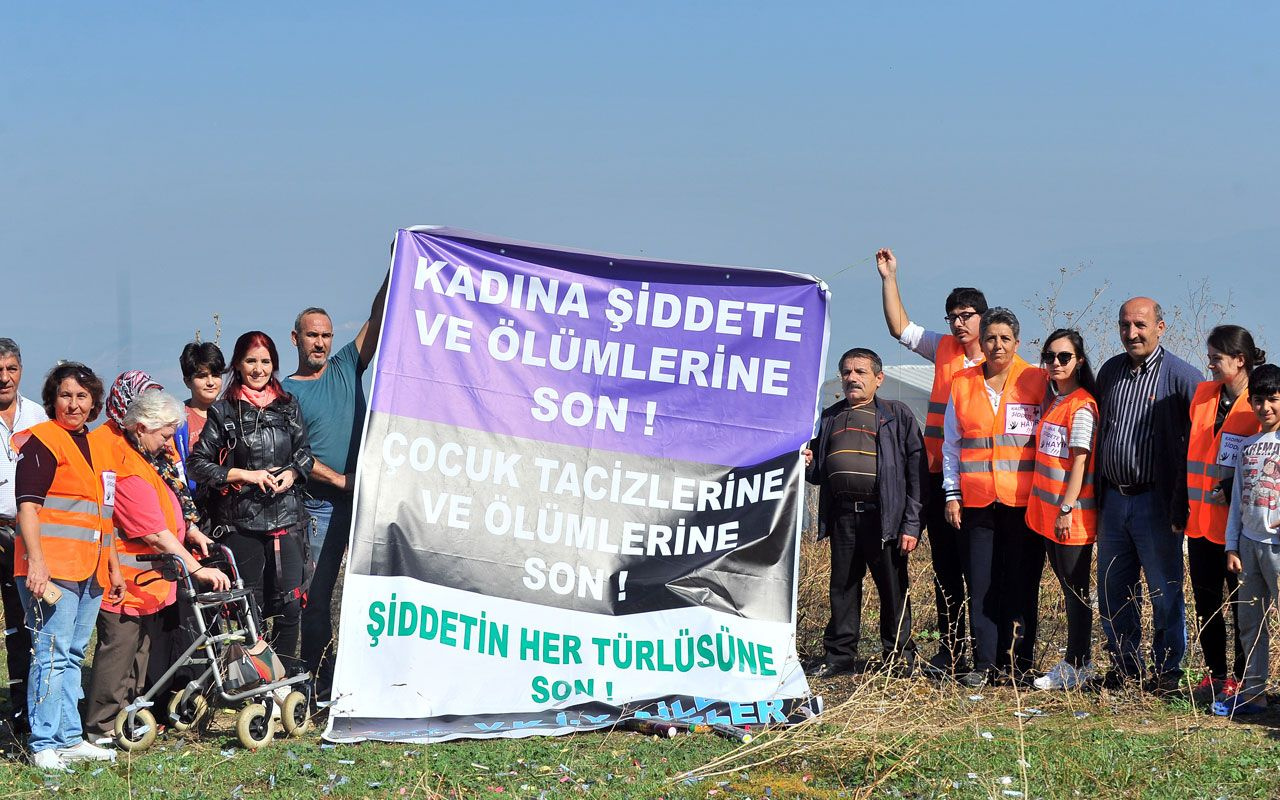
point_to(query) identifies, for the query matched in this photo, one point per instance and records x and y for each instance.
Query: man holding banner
(869, 460)
(579, 494)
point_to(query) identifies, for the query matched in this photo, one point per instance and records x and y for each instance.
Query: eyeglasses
(1063, 358)
(962, 316)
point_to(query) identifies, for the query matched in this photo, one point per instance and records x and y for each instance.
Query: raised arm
(367, 338)
(895, 314)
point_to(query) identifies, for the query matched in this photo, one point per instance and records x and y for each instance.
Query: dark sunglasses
(1063, 358)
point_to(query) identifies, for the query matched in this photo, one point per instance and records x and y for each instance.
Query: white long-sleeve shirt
(951, 443)
(1255, 493)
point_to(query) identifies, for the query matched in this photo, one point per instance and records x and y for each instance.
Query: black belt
(858, 506)
(1132, 489)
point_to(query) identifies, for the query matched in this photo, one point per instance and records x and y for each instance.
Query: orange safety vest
(1053, 466)
(997, 449)
(1211, 457)
(75, 520)
(153, 593)
(946, 363)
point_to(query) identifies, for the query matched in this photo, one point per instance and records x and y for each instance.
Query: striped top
(1080, 432)
(851, 454)
(1127, 450)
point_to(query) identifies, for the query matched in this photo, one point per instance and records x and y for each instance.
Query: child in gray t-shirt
(1253, 540)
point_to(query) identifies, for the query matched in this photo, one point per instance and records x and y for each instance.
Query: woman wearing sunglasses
(1219, 423)
(1063, 506)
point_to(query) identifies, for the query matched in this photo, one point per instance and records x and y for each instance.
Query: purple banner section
(682, 361)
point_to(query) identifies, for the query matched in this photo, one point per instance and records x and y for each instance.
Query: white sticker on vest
(1229, 451)
(109, 488)
(1053, 440)
(1021, 418)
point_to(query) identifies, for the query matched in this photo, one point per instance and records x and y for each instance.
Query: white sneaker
(49, 760)
(84, 751)
(1065, 676)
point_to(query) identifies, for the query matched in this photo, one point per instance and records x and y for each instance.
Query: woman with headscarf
(149, 519)
(252, 460)
(65, 490)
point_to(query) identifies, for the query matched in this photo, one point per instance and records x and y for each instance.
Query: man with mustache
(17, 413)
(1144, 397)
(330, 393)
(870, 464)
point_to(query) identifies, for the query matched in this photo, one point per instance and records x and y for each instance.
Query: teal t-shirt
(333, 407)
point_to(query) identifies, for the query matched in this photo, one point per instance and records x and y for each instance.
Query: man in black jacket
(870, 464)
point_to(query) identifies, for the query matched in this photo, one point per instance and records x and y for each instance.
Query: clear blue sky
(250, 159)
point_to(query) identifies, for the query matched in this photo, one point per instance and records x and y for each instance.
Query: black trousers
(1003, 563)
(1207, 565)
(17, 639)
(256, 559)
(948, 572)
(856, 549)
(1073, 566)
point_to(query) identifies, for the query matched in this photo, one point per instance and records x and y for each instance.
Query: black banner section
(574, 528)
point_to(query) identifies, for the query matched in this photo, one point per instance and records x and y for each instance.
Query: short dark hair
(82, 375)
(297, 321)
(201, 355)
(862, 352)
(1001, 316)
(1264, 381)
(1233, 340)
(962, 296)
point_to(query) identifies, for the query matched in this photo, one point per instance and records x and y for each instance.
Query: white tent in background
(910, 383)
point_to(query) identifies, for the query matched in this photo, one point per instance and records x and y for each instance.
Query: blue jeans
(60, 634)
(329, 515)
(1135, 535)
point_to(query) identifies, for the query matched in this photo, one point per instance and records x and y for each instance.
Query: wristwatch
(1065, 508)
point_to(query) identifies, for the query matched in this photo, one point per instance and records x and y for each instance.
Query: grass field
(880, 737)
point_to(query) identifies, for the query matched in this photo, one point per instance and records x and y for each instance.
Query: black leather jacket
(240, 435)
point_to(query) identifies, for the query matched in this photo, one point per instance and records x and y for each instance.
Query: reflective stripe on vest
(1053, 468)
(947, 361)
(997, 448)
(146, 592)
(75, 518)
(1207, 517)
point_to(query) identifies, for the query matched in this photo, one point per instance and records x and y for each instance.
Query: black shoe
(897, 665)
(828, 670)
(1166, 684)
(1115, 680)
(943, 666)
(975, 679)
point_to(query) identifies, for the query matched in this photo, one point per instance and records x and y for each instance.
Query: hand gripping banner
(579, 494)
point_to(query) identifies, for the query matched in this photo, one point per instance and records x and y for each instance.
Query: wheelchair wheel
(187, 715)
(295, 714)
(137, 735)
(254, 726)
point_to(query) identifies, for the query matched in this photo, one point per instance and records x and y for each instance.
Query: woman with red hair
(249, 464)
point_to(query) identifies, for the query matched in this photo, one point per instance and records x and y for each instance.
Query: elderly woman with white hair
(148, 518)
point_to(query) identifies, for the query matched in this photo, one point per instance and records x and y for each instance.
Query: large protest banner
(579, 494)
